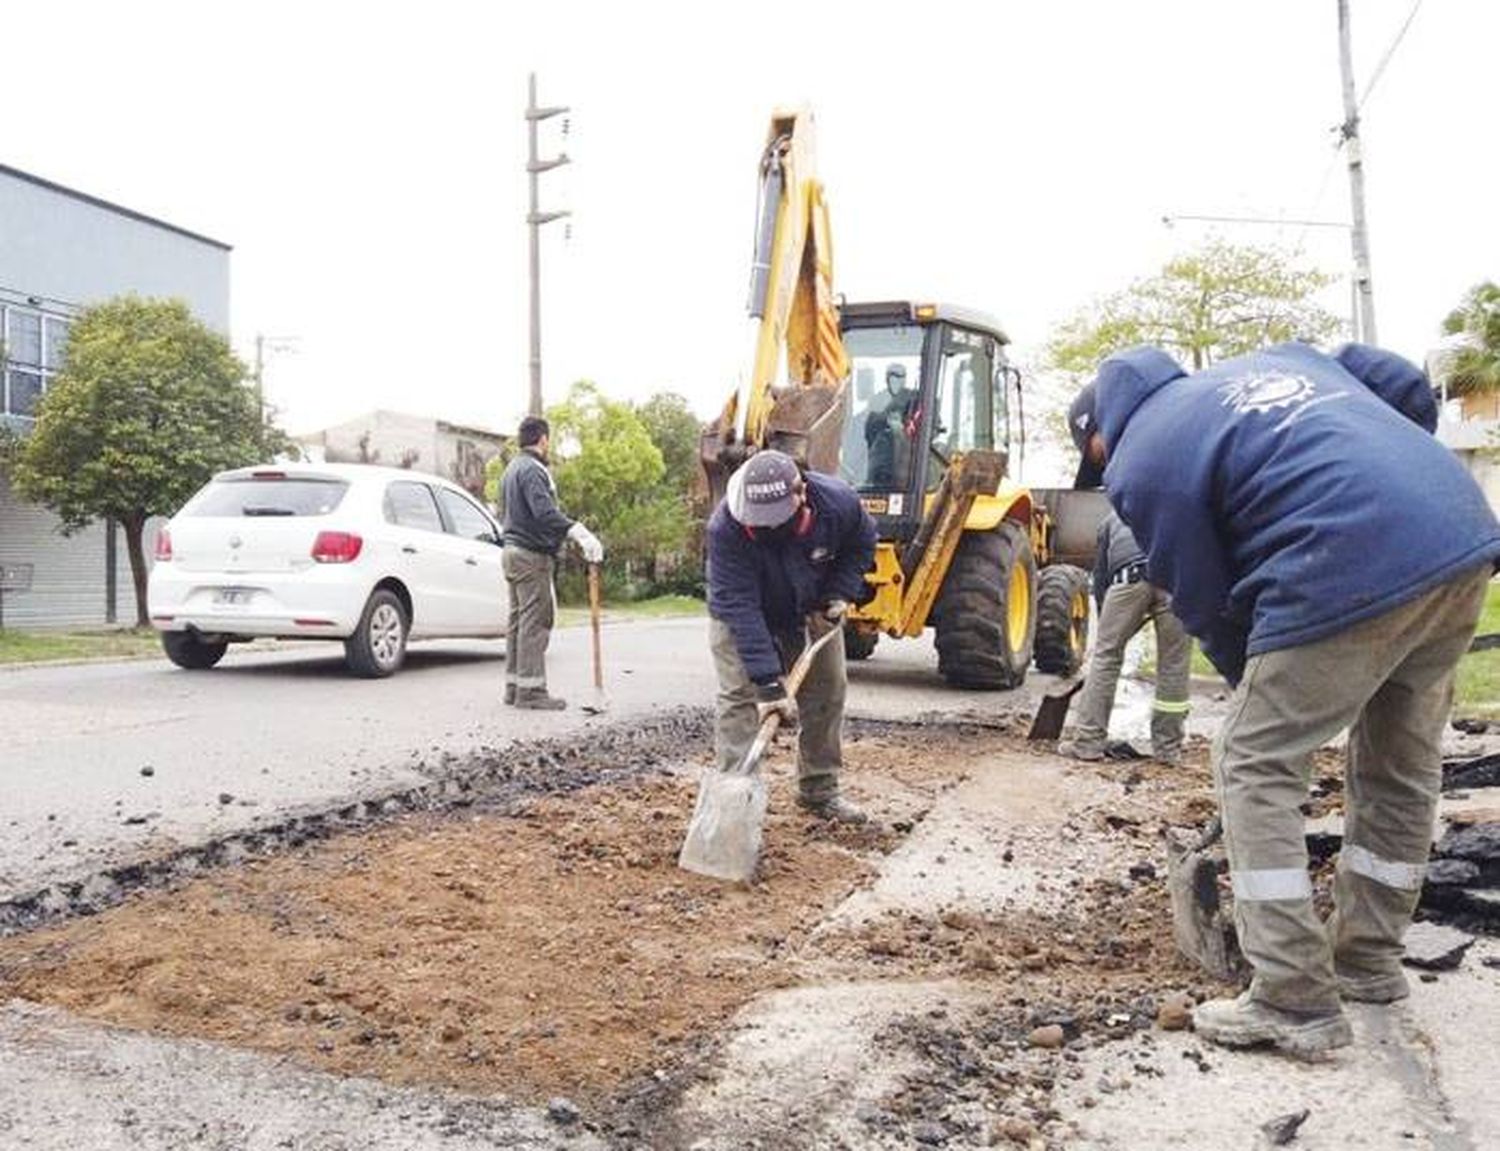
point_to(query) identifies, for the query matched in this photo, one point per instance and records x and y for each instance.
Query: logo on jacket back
(1266, 391)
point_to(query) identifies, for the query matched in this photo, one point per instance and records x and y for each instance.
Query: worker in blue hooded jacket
(1332, 558)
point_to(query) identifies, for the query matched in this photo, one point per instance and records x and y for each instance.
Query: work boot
(510, 693)
(537, 699)
(834, 808)
(1081, 749)
(1246, 1022)
(1171, 757)
(1372, 986)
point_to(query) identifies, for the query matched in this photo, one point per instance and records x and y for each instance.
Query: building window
(35, 345)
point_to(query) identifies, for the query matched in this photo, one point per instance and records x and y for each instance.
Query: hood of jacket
(1125, 381)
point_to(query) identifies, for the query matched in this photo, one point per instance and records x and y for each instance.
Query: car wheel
(185, 649)
(378, 644)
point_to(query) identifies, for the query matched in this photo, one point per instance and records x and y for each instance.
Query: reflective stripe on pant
(820, 708)
(528, 576)
(1390, 679)
(1126, 609)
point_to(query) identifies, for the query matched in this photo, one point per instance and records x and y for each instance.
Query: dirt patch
(553, 949)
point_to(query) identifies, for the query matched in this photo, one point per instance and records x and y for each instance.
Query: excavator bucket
(807, 423)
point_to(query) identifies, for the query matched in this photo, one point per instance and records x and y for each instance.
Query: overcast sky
(367, 164)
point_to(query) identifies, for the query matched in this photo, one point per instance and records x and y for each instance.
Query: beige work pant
(820, 708)
(528, 576)
(1390, 681)
(1127, 607)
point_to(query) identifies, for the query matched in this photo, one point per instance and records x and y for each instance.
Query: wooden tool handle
(594, 622)
(794, 680)
(804, 661)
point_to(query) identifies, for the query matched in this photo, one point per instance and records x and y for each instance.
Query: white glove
(835, 610)
(772, 699)
(588, 543)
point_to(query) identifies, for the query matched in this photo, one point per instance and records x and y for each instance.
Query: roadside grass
(50, 647)
(1476, 691)
(661, 607)
(26, 647)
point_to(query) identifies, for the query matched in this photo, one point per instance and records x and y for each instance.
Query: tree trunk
(135, 528)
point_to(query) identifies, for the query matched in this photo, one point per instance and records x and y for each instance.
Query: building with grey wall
(422, 443)
(60, 251)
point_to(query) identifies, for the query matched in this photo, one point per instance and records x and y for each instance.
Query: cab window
(963, 416)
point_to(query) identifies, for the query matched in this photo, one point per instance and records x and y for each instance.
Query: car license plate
(233, 595)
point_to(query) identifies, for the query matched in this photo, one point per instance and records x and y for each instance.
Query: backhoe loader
(910, 404)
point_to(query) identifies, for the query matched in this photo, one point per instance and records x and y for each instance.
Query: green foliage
(1475, 368)
(1204, 306)
(674, 429)
(10, 447)
(149, 405)
(611, 475)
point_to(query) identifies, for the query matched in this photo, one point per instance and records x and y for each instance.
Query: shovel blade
(1053, 711)
(1200, 927)
(724, 836)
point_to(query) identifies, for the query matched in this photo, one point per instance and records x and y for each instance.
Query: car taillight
(337, 547)
(163, 545)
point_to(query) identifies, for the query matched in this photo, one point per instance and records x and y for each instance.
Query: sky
(367, 163)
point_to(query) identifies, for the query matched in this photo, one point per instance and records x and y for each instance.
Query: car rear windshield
(268, 496)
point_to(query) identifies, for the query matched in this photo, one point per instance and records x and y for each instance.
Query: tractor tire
(986, 612)
(185, 649)
(1062, 619)
(859, 645)
(378, 646)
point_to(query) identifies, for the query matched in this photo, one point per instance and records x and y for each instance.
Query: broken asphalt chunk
(1283, 1129)
(1435, 947)
(1479, 771)
(562, 1110)
(1479, 841)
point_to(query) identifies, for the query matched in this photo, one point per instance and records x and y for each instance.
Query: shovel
(1053, 710)
(723, 838)
(1200, 925)
(601, 702)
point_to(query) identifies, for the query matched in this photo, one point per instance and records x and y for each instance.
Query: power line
(1389, 52)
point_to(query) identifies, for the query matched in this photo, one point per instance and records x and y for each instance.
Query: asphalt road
(109, 763)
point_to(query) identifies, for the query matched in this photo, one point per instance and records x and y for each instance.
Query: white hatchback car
(373, 556)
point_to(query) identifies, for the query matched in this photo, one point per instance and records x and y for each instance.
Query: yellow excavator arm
(792, 317)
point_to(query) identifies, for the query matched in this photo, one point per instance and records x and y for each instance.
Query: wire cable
(1386, 59)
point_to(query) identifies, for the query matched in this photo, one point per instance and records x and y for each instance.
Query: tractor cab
(927, 384)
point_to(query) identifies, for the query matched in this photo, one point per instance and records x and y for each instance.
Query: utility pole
(535, 218)
(263, 345)
(1364, 290)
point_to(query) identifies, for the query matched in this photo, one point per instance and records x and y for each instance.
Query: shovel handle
(594, 623)
(794, 680)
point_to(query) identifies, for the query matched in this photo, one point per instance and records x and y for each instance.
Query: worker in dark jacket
(783, 546)
(1332, 558)
(1126, 600)
(535, 529)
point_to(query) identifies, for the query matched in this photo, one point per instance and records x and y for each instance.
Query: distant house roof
(6, 169)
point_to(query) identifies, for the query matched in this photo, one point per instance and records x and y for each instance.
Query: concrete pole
(535, 218)
(260, 388)
(1363, 285)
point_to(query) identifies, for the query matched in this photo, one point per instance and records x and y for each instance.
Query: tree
(1475, 366)
(149, 404)
(675, 430)
(1208, 305)
(610, 474)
